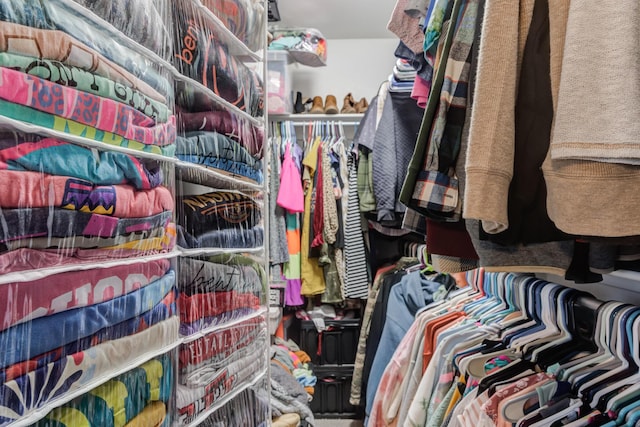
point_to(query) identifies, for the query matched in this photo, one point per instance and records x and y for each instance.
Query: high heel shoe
(348, 107)
(361, 106)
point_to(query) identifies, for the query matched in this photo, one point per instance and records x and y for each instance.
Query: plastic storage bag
(305, 45)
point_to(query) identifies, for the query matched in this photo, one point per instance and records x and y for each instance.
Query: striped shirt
(356, 273)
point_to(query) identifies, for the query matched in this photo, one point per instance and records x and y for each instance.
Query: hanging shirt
(406, 298)
(356, 270)
(311, 272)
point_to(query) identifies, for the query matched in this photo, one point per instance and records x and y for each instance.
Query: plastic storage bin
(331, 397)
(336, 345)
(279, 83)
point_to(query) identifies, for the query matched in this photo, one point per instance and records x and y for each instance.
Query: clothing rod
(338, 122)
(315, 117)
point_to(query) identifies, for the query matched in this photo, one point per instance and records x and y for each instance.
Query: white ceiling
(338, 19)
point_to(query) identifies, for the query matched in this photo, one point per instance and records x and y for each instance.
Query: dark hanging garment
(528, 218)
(395, 140)
(449, 239)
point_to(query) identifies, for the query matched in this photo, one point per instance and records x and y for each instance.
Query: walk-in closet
(286, 213)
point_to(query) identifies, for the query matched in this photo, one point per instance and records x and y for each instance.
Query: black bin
(334, 346)
(331, 397)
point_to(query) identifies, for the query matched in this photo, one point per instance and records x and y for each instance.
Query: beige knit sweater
(587, 197)
(489, 162)
(598, 100)
(550, 257)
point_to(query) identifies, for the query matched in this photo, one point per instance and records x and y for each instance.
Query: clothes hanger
(475, 358)
(293, 137)
(573, 409)
(563, 336)
(480, 282)
(494, 285)
(551, 331)
(535, 304)
(520, 316)
(553, 296)
(584, 420)
(488, 287)
(583, 317)
(309, 136)
(601, 339)
(509, 291)
(521, 365)
(628, 415)
(622, 418)
(550, 420)
(544, 294)
(633, 392)
(513, 295)
(524, 297)
(525, 404)
(600, 394)
(621, 349)
(475, 280)
(283, 134)
(313, 132)
(340, 138)
(527, 287)
(485, 284)
(607, 339)
(502, 291)
(633, 418)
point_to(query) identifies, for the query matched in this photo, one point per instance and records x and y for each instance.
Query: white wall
(353, 65)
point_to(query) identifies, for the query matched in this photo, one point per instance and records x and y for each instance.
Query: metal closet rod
(338, 122)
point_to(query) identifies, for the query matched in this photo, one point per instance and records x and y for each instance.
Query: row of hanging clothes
(310, 191)
(509, 350)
